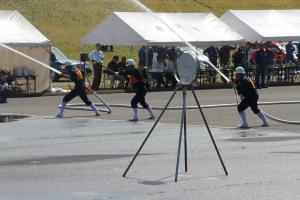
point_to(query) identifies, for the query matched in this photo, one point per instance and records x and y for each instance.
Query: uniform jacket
(77, 77)
(136, 78)
(246, 88)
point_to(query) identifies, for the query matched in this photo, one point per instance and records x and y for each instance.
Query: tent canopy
(141, 28)
(16, 30)
(21, 35)
(265, 25)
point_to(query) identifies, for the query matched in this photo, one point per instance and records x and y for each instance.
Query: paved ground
(83, 157)
(223, 117)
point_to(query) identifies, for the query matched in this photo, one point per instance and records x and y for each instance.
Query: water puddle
(262, 136)
(10, 117)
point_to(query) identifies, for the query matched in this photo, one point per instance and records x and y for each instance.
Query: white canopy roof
(16, 30)
(265, 25)
(141, 28)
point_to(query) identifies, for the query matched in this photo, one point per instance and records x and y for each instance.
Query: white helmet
(240, 70)
(130, 62)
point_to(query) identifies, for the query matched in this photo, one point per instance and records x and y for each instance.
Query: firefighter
(139, 85)
(76, 76)
(249, 97)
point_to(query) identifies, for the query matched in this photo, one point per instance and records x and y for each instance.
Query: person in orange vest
(139, 85)
(76, 76)
(249, 97)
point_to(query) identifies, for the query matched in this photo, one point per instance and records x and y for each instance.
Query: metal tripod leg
(210, 134)
(183, 114)
(151, 130)
(185, 143)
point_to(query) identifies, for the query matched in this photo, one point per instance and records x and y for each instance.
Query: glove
(230, 82)
(65, 75)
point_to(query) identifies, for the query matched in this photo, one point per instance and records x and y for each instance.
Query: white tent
(141, 28)
(265, 25)
(21, 35)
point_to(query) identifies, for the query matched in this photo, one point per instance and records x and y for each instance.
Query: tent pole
(50, 82)
(131, 51)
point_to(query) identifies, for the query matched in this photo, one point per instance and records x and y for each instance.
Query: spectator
(278, 57)
(171, 54)
(238, 58)
(104, 48)
(250, 52)
(269, 62)
(260, 58)
(212, 54)
(96, 56)
(114, 67)
(225, 55)
(298, 51)
(289, 52)
(170, 70)
(122, 64)
(111, 48)
(142, 56)
(162, 52)
(4, 88)
(149, 56)
(158, 69)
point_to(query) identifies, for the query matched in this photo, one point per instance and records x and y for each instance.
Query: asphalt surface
(223, 117)
(83, 157)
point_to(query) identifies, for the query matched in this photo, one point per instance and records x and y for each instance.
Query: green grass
(65, 22)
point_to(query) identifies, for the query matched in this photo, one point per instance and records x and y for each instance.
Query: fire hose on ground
(82, 107)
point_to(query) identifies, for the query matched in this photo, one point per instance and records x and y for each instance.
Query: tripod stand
(183, 130)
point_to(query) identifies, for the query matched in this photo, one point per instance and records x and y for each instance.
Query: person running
(249, 97)
(138, 84)
(76, 76)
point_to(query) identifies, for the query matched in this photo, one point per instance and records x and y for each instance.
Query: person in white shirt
(96, 56)
(158, 70)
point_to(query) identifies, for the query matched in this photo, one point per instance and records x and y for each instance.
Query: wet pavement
(83, 158)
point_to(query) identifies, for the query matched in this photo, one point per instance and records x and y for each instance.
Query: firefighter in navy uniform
(138, 83)
(76, 76)
(249, 97)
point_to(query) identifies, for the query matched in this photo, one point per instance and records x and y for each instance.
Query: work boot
(60, 114)
(244, 120)
(152, 116)
(93, 107)
(262, 116)
(135, 116)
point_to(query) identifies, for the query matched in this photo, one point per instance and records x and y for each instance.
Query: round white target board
(187, 68)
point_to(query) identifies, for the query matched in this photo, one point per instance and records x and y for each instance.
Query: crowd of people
(260, 56)
(160, 62)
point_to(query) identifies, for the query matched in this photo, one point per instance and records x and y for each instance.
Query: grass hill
(65, 22)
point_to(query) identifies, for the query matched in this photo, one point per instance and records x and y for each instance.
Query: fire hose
(81, 107)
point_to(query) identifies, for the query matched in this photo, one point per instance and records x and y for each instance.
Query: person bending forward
(79, 90)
